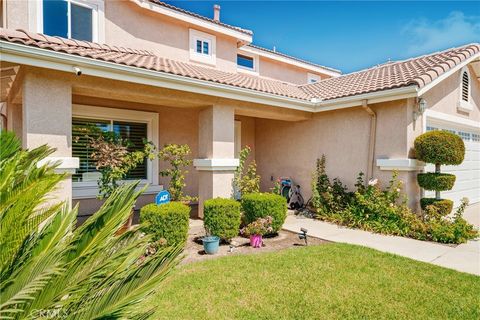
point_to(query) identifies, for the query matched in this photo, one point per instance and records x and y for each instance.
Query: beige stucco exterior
(128, 24)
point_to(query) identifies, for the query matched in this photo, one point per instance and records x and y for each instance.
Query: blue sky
(351, 35)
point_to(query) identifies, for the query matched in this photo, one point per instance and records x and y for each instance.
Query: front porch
(46, 107)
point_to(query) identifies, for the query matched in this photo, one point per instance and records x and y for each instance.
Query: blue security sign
(162, 197)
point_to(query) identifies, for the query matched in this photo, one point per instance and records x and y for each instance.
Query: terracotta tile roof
(418, 71)
(293, 58)
(147, 60)
(193, 14)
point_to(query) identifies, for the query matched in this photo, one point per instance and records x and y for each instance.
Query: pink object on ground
(256, 240)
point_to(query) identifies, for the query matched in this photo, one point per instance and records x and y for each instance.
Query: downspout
(371, 141)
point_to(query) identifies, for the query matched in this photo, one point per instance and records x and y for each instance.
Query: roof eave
(43, 58)
(371, 98)
(241, 36)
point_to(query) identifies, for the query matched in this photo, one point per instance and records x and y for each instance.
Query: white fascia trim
(216, 164)
(373, 97)
(290, 61)
(241, 36)
(91, 192)
(64, 164)
(447, 74)
(405, 164)
(447, 119)
(42, 58)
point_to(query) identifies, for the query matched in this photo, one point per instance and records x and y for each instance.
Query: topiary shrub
(438, 147)
(262, 205)
(436, 181)
(222, 217)
(442, 206)
(167, 221)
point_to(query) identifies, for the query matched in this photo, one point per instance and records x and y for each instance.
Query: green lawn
(334, 281)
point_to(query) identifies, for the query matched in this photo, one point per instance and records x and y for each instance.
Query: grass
(334, 281)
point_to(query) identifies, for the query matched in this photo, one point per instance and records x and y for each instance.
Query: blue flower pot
(211, 244)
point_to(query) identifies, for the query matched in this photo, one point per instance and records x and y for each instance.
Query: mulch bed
(240, 245)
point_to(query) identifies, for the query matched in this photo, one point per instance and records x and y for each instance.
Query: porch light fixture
(422, 106)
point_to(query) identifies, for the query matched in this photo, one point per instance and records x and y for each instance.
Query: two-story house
(148, 70)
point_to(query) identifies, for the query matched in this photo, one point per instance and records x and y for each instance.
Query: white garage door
(468, 173)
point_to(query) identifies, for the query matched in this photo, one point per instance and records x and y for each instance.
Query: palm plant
(51, 269)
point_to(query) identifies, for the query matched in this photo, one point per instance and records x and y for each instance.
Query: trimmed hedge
(221, 217)
(444, 206)
(436, 181)
(440, 147)
(262, 205)
(167, 221)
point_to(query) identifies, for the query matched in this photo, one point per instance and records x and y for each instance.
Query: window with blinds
(465, 86)
(134, 132)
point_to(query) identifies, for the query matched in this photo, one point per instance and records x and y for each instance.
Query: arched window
(465, 86)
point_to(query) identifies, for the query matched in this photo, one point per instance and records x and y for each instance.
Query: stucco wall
(445, 96)
(128, 25)
(291, 148)
(285, 72)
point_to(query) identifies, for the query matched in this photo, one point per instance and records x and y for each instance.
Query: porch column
(216, 163)
(47, 119)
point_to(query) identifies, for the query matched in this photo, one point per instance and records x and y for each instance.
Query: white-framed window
(248, 62)
(464, 104)
(202, 47)
(313, 78)
(135, 126)
(75, 19)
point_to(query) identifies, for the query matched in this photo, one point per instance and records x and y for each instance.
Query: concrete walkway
(464, 257)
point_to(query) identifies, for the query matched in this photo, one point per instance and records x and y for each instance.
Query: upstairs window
(76, 19)
(312, 78)
(465, 86)
(202, 47)
(245, 62)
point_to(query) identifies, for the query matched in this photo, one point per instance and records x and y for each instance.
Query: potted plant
(210, 243)
(257, 229)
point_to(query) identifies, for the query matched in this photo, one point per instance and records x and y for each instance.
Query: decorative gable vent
(465, 86)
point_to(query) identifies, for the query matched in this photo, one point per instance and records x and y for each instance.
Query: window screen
(81, 22)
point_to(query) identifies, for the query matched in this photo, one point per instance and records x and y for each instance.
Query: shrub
(328, 197)
(176, 155)
(167, 221)
(440, 147)
(436, 181)
(246, 179)
(222, 217)
(442, 206)
(51, 268)
(262, 205)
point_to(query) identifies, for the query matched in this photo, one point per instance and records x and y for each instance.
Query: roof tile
(416, 71)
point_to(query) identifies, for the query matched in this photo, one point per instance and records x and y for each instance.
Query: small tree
(176, 155)
(113, 160)
(440, 148)
(248, 181)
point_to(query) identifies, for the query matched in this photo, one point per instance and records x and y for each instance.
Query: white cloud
(455, 29)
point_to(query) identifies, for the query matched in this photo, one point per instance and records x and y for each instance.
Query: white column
(47, 119)
(216, 163)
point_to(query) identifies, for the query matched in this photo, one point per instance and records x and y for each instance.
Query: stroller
(292, 193)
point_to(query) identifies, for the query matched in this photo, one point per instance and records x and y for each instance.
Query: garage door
(468, 173)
